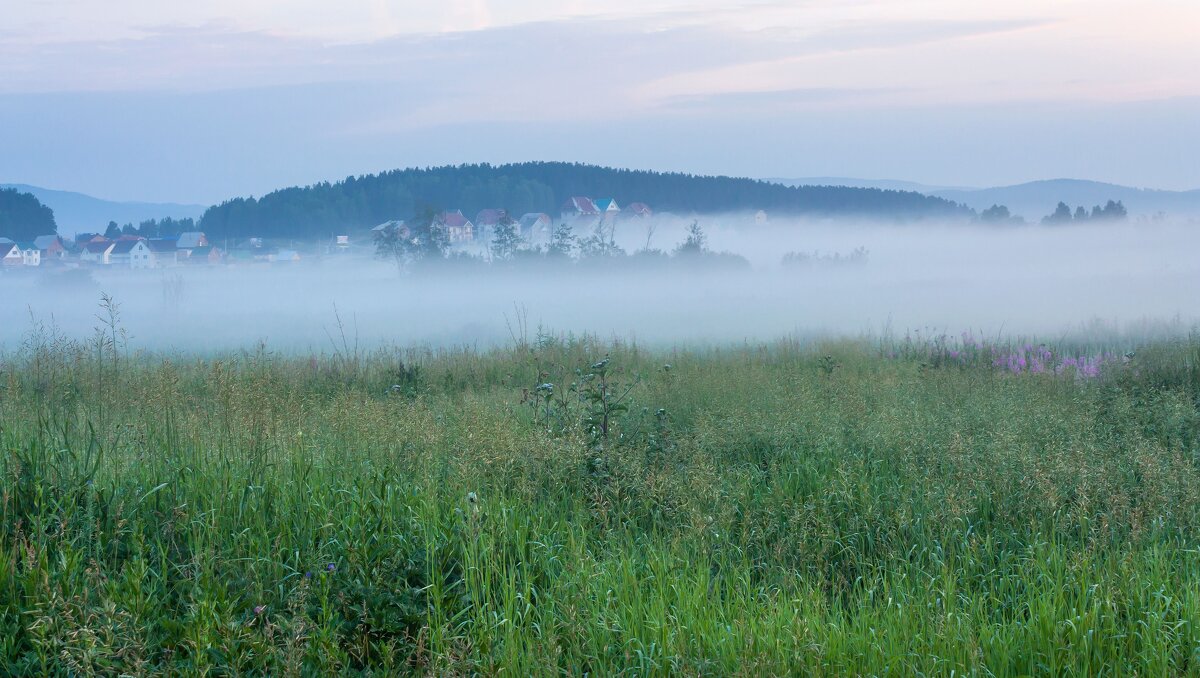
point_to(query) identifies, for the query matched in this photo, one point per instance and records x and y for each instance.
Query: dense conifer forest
(23, 217)
(364, 201)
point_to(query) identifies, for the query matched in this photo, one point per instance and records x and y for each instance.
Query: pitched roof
(45, 241)
(8, 247)
(98, 247)
(455, 219)
(580, 204)
(124, 246)
(394, 223)
(490, 216)
(606, 204)
(190, 239)
(638, 208)
(162, 245)
(533, 219)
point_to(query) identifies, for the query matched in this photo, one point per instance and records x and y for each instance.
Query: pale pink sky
(415, 78)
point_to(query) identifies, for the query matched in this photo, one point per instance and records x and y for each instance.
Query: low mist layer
(841, 279)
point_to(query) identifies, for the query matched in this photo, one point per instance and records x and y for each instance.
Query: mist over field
(1018, 280)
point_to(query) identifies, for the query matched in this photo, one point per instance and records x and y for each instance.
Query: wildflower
(472, 499)
(308, 575)
(330, 567)
(259, 609)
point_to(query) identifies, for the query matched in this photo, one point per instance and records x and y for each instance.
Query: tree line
(423, 244)
(23, 217)
(166, 227)
(360, 202)
(1112, 211)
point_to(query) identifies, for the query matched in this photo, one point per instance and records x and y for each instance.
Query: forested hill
(23, 217)
(360, 202)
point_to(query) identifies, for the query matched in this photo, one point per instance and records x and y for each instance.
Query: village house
(97, 252)
(204, 255)
(579, 208)
(12, 253)
(536, 228)
(190, 240)
(638, 210)
(459, 229)
(253, 249)
(30, 254)
(123, 251)
(402, 229)
(51, 246)
(82, 240)
(608, 208)
(487, 220)
(163, 253)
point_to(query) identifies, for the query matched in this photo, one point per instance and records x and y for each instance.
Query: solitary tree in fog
(695, 243)
(392, 244)
(506, 241)
(599, 244)
(562, 243)
(429, 237)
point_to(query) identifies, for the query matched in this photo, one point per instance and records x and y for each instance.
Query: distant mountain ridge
(881, 184)
(78, 212)
(1035, 199)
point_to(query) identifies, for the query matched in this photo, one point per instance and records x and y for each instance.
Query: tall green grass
(757, 510)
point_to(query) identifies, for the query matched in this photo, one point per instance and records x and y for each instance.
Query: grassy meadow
(573, 506)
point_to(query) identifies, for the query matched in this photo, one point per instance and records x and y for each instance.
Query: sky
(201, 101)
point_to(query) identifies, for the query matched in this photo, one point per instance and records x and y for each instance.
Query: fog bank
(1010, 280)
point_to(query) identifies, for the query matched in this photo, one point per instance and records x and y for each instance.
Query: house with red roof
(51, 246)
(579, 207)
(637, 209)
(487, 220)
(459, 229)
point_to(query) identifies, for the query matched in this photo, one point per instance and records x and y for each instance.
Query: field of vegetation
(575, 506)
